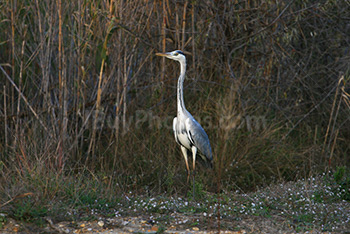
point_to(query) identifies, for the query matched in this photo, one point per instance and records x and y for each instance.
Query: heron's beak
(163, 54)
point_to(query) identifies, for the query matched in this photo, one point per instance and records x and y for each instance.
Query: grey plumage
(188, 133)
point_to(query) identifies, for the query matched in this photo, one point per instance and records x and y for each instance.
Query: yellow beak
(163, 54)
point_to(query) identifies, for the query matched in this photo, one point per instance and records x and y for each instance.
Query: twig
(53, 226)
(269, 25)
(307, 114)
(14, 198)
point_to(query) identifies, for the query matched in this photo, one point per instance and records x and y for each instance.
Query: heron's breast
(182, 135)
(183, 140)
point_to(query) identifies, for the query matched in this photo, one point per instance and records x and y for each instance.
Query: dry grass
(83, 96)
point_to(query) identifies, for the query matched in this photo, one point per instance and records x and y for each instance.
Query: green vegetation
(86, 108)
(313, 204)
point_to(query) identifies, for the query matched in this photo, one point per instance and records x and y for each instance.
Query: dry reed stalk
(110, 7)
(177, 27)
(26, 101)
(119, 98)
(346, 97)
(5, 121)
(44, 51)
(84, 43)
(332, 117)
(162, 74)
(20, 88)
(62, 87)
(335, 135)
(13, 65)
(100, 86)
(193, 40)
(184, 25)
(333, 146)
(79, 79)
(97, 109)
(125, 81)
(117, 104)
(122, 70)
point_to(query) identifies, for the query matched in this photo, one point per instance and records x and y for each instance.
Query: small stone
(195, 229)
(100, 223)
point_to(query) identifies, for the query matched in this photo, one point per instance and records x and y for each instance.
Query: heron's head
(177, 55)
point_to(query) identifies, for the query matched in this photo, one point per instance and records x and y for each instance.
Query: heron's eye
(176, 54)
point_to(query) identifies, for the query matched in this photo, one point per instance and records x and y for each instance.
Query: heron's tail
(206, 162)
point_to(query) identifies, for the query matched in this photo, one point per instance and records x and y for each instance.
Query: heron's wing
(174, 129)
(199, 138)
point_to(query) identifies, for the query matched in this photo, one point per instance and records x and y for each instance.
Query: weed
(3, 220)
(30, 211)
(339, 174)
(199, 191)
(161, 229)
(342, 179)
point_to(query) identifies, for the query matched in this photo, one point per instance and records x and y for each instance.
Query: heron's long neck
(180, 93)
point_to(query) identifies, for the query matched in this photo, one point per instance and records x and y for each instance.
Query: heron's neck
(180, 93)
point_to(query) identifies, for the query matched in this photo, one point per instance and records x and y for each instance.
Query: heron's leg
(184, 152)
(194, 152)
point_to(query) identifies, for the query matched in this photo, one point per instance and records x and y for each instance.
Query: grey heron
(188, 133)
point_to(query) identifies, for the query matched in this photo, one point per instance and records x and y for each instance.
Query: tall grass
(83, 95)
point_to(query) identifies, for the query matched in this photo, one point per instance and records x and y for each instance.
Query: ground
(144, 224)
(314, 205)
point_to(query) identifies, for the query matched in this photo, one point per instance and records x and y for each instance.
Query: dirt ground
(179, 223)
